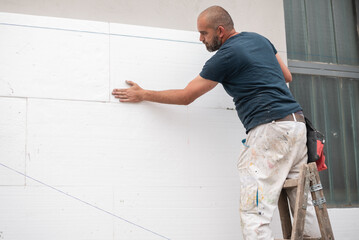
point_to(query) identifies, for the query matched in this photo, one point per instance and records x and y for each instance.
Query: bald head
(217, 16)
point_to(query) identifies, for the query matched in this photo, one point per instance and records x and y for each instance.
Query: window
(322, 30)
(323, 53)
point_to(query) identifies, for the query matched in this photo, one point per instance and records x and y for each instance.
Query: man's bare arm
(196, 88)
(285, 70)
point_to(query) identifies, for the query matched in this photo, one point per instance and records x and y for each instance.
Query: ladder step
(290, 183)
(308, 182)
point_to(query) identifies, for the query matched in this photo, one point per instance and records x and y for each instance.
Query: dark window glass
(322, 31)
(332, 104)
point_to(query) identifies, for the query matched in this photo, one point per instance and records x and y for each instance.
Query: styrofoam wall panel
(105, 143)
(160, 59)
(171, 169)
(56, 62)
(12, 139)
(37, 212)
(184, 212)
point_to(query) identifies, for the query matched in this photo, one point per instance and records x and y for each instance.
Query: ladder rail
(308, 181)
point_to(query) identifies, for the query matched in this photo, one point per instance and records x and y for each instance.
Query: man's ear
(221, 31)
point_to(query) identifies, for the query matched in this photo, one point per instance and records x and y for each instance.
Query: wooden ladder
(308, 181)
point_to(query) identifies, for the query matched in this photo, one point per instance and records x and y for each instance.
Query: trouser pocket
(248, 191)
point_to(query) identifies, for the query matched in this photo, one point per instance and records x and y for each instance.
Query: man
(251, 71)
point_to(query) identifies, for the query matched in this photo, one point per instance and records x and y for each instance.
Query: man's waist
(296, 117)
(257, 116)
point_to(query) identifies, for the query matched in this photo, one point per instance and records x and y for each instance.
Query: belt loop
(294, 117)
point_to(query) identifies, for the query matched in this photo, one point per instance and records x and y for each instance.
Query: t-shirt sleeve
(274, 49)
(215, 68)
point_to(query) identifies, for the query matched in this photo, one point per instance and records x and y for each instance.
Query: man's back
(247, 67)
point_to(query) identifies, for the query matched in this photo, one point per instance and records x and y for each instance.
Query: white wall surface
(171, 14)
(100, 169)
(262, 16)
(170, 169)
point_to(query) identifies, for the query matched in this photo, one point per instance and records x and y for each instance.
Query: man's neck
(229, 35)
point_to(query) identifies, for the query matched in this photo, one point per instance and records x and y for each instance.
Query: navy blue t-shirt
(249, 71)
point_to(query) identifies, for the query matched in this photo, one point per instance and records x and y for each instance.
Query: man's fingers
(130, 83)
(120, 96)
(123, 96)
(118, 91)
(125, 100)
(130, 94)
(115, 91)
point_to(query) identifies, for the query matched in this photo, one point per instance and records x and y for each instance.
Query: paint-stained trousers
(273, 152)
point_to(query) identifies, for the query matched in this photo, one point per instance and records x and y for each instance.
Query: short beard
(214, 45)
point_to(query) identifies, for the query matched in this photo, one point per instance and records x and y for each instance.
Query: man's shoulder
(240, 39)
(246, 33)
(253, 35)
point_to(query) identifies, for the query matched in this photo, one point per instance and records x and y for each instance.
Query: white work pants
(273, 152)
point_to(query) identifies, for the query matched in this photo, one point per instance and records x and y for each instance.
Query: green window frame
(323, 52)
